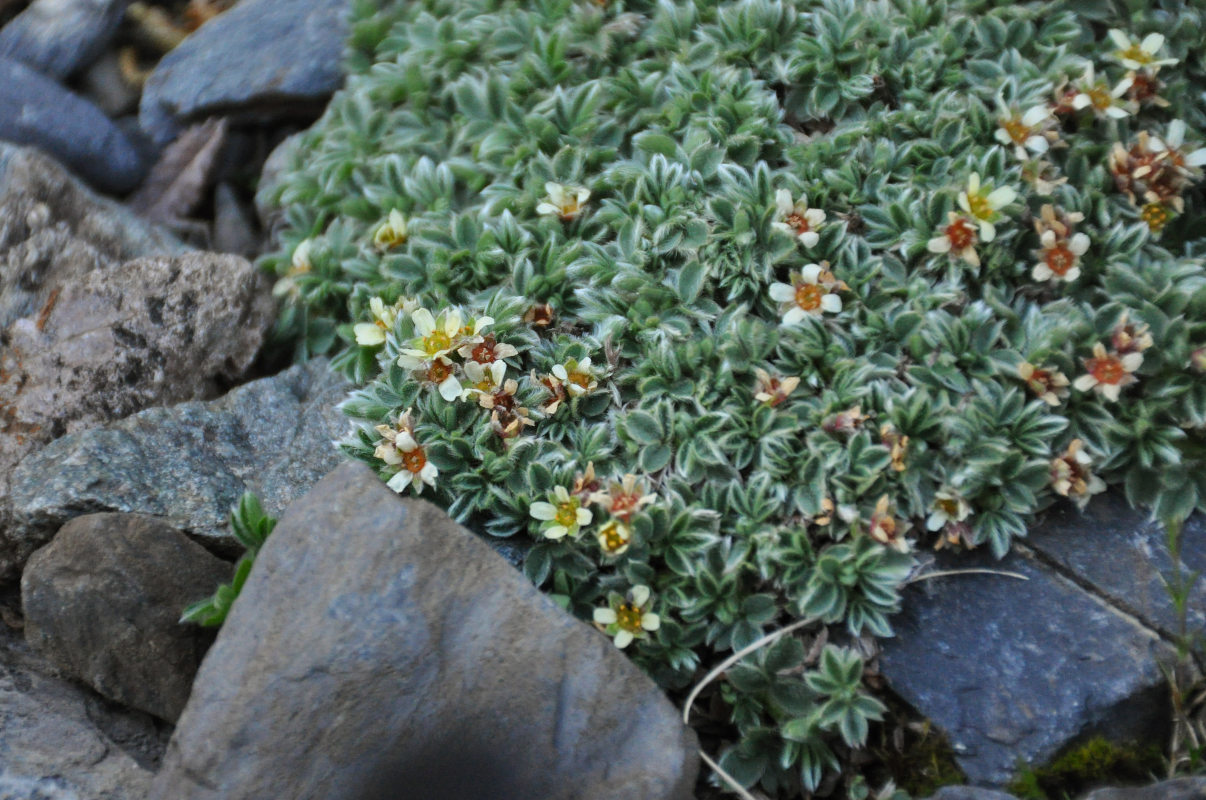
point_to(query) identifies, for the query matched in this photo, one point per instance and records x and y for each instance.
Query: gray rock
(267, 203)
(234, 232)
(54, 231)
(263, 59)
(58, 37)
(969, 793)
(187, 464)
(103, 602)
(1123, 556)
(56, 740)
(1179, 789)
(429, 661)
(36, 111)
(158, 330)
(1017, 670)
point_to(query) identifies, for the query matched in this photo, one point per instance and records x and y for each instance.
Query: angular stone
(157, 330)
(1179, 789)
(57, 37)
(378, 645)
(188, 464)
(1017, 670)
(969, 793)
(54, 231)
(1123, 556)
(36, 111)
(58, 741)
(262, 60)
(103, 601)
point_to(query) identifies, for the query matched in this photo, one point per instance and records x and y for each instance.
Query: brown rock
(103, 600)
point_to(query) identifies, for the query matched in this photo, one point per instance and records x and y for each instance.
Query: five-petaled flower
(812, 291)
(1130, 337)
(1072, 476)
(486, 350)
(1095, 93)
(628, 619)
(564, 202)
(399, 449)
(948, 507)
(1050, 385)
(563, 516)
(984, 204)
(1107, 373)
(1139, 54)
(797, 218)
(1029, 133)
(614, 537)
(958, 239)
(1059, 258)
(625, 498)
(392, 232)
(576, 376)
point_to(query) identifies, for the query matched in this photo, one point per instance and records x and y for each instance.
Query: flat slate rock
(263, 59)
(190, 463)
(58, 37)
(59, 741)
(1122, 555)
(1017, 670)
(1178, 789)
(969, 793)
(378, 645)
(103, 602)
(37, 111)
(54, 231)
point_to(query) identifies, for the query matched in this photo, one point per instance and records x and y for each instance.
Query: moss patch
(1096, 763)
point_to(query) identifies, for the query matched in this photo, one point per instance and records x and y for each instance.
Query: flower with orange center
(486, 350)
(1026, 133)
(576, 376)
(773, 390)
(984, 203)
(399, 449)
(1059, 260)
(1072, 476)
(625, 498)
(885, 528)
(812, 292)
(958, 239)
(1106, 373)
(896, 443)
(484, 380)
(563, 202)
(1145, 89)
(1095, 93)
(614, 537)
(629, 618)
(562, 516)
(1128, 337)
(441, 373)
(1139, 54)
(1050, 385)
(797, 218)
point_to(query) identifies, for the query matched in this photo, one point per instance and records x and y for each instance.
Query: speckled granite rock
(262, 59)
(433, 664)
(37, 111)
(103, 602)
(1016, 670)
(188, 464)
(54, 231)
(155, 331)
(59, 741)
